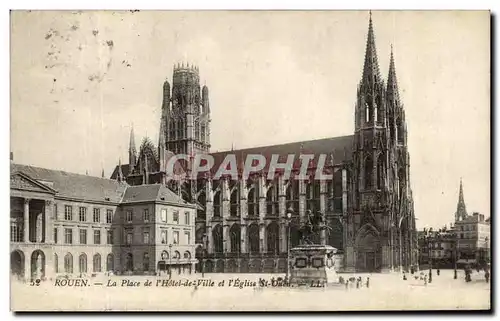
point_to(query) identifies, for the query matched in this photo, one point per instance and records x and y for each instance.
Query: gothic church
(242, 226)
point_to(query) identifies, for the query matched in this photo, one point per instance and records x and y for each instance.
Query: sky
(80, 80)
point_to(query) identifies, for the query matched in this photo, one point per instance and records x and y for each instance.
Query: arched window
(68, 263)
(380, 171)
(367, 113)
(253, 201)
(82, 263)
(164, 255)
(217, 201)
(218, 240)
(272, 200)
(110, 262)
(177, 255)
(368, 172)
(235, 236)
(97, 263)
(235, 202)
(253, 238)
(56, 263)
(273, 238)
(187, 255)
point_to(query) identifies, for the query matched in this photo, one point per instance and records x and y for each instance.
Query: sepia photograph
(315, 160)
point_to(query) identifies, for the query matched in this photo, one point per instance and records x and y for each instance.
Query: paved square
(386, 292)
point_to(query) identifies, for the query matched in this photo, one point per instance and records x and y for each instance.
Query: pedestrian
(425, 280)
(368, 282)
(357, 284)
(487, 276)
(404, 276)
(438, 271)
(347, 284)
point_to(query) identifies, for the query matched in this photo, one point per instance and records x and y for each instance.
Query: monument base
(313, 265)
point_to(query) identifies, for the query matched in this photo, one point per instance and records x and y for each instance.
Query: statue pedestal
(313, 265)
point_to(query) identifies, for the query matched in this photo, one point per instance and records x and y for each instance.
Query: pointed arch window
(368, 172)
(253, 200)
(218, 239)
(235, 237)
(217, 201)
(235, 202)
(272, 203)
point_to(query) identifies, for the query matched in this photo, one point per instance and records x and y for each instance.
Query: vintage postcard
(250, 160)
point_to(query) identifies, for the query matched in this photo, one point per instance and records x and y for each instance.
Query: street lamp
(289, 213)
(170, 265)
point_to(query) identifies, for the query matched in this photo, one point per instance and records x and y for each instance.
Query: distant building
(468, 241)
(69, 224)
(439, 246)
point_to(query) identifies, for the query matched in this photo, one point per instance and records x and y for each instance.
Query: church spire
(461, 210)
(392, 81)
(131, 150)
(371, 71)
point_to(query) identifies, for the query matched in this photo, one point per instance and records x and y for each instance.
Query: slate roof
(153, 192)
(339, 147)
(84, 187)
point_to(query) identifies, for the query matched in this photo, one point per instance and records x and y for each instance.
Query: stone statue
(314, 224)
